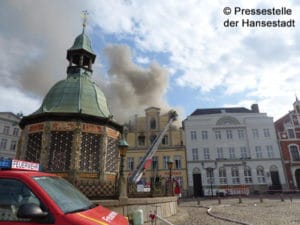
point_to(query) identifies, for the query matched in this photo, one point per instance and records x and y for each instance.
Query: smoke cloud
(131, 89)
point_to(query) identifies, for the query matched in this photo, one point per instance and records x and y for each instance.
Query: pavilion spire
(84, 19)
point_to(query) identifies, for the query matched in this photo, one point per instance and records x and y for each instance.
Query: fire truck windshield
(67, 197)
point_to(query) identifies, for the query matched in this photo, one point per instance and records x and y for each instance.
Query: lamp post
(170, 166)
(123, 146)
(210, 172)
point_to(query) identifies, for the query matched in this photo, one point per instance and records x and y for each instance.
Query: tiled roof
(220, 110)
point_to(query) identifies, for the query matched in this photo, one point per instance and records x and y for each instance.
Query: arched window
(294, 153)
(235, 175)
(153, 124)
(247, 175)
(222, 175)
(260, 173)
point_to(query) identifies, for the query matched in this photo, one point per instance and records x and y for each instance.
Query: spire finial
(84, 15)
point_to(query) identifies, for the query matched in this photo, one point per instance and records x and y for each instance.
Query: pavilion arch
(196, 170)
(227, 120)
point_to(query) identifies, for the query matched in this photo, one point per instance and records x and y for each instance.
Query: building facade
(232, 151)
(142, 131)
(9, 134)
(288, 133)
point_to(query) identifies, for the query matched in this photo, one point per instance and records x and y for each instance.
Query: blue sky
(179, 50)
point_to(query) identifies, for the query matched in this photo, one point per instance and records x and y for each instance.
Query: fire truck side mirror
(31, 211)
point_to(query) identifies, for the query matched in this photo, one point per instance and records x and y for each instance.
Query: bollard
(281, 197)
(198, 202)
(138, 217)
(219, 200)
(261, 199)
(291, 198)
(240, 199)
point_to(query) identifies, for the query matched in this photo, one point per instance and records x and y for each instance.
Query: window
(166, 159)
(210, 176)
(16, 131)
(154, 162)
(13, 194)
(165, 140)
(177, 161)
(152, 124)
(258, 152)
(218, 134)
(244, 153)
(229, 134)
(270, 151)
(291, 133)
(241, 134)
(235, 175)
(220, 154)
(13, 145)
(255, 133)
(130, 163)
(231, 152)
(247, 175)
(294, 153)
(193, 135)
(206, 153)
(222, 175)
(3, 144)
(204, 135)
(266, 132)
(195, 154)
(260, 175)
(6, 130)
(141, 140)
(67, 198)
(152, 138)
(140, 159)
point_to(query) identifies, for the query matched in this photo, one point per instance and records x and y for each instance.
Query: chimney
(254, 108)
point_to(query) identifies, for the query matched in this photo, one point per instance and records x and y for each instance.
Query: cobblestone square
(250, 211)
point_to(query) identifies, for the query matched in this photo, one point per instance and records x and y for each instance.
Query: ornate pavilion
(72, 133)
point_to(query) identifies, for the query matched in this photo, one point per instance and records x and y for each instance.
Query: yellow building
(142, 132)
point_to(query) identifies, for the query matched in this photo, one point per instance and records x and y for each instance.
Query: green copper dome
(76, 94)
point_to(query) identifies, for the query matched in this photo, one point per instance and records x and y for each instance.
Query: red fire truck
(31, 197)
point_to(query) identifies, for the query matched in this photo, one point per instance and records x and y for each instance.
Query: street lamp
(123, 146)
(170, 166)
(210, 172)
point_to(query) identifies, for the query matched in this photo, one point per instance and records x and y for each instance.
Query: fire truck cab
(31, 197)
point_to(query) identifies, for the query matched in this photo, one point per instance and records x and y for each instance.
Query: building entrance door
(198, 189)
(297, 176)
(275, 180)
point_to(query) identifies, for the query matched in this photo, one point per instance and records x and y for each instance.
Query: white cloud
(13, 100)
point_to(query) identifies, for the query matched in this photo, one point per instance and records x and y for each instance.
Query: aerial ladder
(146, 162)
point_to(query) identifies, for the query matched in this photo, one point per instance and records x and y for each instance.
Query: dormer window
(152, 124)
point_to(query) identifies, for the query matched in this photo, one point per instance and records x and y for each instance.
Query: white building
(233, 151)
(9, 134)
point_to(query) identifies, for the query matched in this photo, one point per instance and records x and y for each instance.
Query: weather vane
(84, 15)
